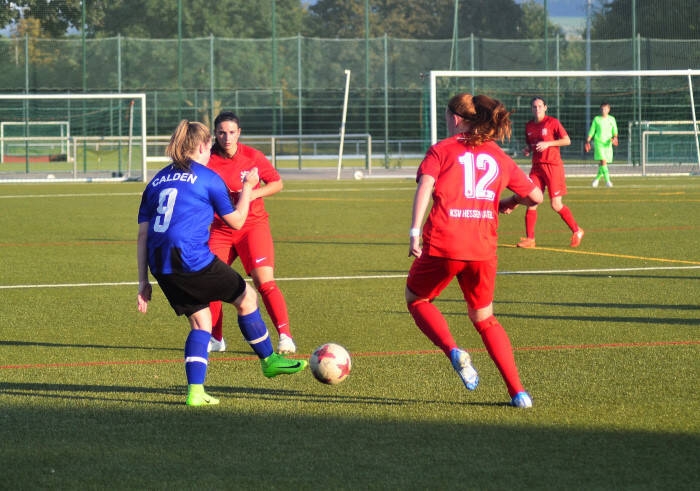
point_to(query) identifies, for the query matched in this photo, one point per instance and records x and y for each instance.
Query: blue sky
(556, 8)
(563, 8)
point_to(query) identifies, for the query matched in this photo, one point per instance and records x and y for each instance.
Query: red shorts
(253, 244)
(430, 275)
(551, 177)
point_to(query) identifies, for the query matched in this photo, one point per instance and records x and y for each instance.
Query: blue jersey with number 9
(179, 206)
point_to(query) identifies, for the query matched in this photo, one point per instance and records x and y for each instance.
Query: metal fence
(294, 86)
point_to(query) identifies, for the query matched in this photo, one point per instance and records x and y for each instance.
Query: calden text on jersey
(178, 176)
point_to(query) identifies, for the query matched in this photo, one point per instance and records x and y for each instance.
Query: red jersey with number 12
(463, 221)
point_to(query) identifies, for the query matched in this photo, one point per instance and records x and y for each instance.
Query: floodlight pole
(589, 13)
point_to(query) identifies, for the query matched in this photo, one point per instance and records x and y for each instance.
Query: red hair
(488, 118)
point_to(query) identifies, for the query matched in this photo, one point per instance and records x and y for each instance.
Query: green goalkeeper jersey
(602, 130)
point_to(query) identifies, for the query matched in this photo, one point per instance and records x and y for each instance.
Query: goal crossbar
(436, 74)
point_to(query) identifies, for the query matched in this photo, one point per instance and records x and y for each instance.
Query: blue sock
(196, 356)
(255, 332)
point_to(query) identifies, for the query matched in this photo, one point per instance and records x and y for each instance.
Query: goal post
(574, 98)
(105, 137)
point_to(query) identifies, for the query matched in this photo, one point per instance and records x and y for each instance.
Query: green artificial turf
(606, 336)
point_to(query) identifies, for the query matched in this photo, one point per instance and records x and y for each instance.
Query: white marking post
(342, 125)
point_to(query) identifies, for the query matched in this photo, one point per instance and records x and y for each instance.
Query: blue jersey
(179, 206)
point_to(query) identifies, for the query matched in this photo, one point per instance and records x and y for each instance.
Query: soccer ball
(330, 363)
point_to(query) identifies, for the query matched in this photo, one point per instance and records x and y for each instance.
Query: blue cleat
(521, 400)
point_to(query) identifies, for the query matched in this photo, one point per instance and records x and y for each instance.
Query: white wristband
(414, 232)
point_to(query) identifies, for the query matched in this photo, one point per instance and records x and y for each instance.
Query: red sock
(568, 217)
(276, 306)
(432, 323)
(530, 221)
(501, 351)
(217, 320)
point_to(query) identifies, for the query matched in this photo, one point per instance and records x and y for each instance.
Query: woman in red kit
(253, 242)
(465, 175)
(544, 135)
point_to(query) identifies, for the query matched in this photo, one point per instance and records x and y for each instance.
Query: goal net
(76, 137)
(55, 146)
(667, 141)
(574, 97)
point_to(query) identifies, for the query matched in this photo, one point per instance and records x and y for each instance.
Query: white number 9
(166, 206)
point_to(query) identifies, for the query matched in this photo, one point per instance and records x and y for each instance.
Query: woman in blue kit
(177, 207)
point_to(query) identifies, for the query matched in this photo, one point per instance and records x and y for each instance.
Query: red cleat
(527, 243)
(576, 238)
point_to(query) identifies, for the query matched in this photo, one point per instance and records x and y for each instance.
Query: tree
(657, 19)
(201, 18)
(55, 17)
(8, 12)
(339, 19)
(533, 22)
(416, 19)
(496, 19)
(158, 18)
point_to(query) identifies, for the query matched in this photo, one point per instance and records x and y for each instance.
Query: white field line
(64, 195)
(304, 190)
(371, 277)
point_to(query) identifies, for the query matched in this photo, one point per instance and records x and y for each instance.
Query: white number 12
(478, 189)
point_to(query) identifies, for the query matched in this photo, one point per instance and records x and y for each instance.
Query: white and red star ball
(330, 363)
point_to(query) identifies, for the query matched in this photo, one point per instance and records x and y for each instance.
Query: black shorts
(191, 292)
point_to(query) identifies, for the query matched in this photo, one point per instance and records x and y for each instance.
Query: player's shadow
(540, 311)
(44, 344)
(179, 349)
(606, 305)
(150, 395)
(86, 392)
(327, 397)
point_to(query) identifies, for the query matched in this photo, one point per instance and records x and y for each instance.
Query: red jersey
(549, 129)
(233, 170)
(463, 221)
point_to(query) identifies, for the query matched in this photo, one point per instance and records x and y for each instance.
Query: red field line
(357, 354)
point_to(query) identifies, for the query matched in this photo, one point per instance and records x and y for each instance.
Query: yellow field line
(607, 254)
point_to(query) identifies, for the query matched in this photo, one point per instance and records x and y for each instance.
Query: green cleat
(276, 364)
(197, 397)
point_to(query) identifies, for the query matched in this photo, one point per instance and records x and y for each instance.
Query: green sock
(606, 173)
(600, 172)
